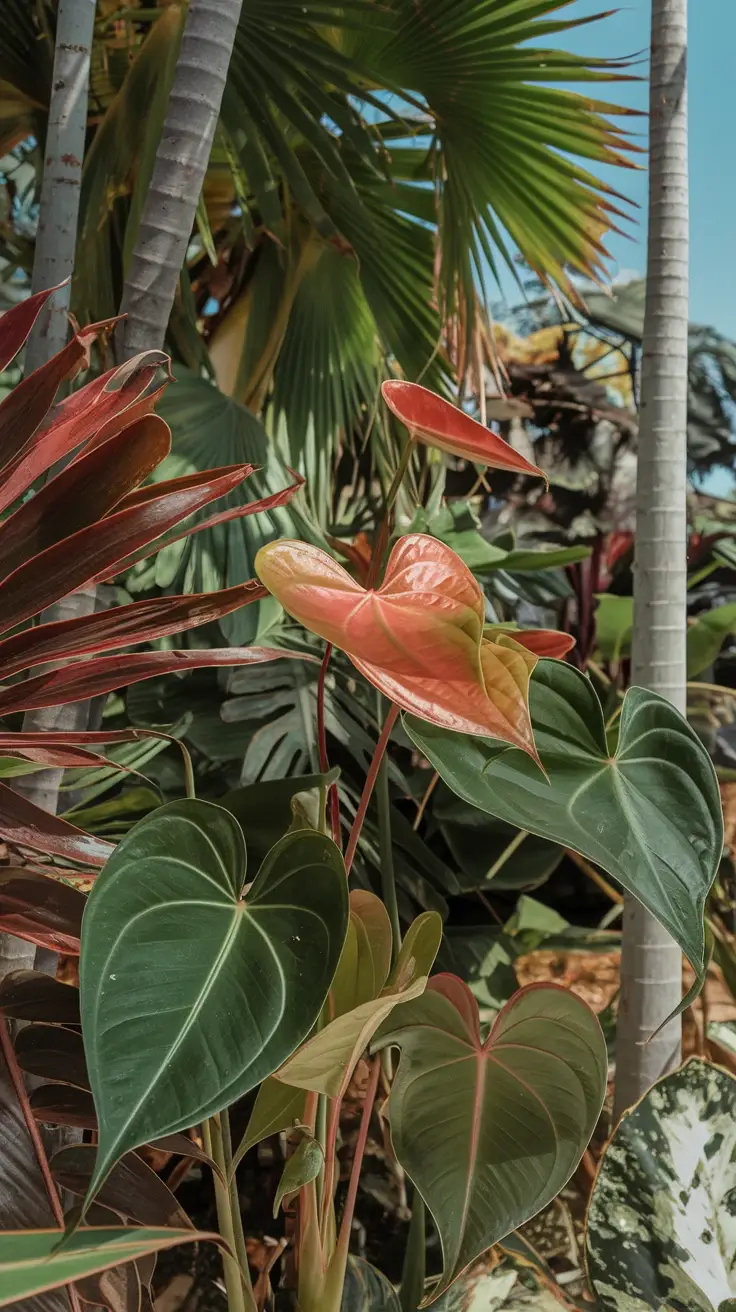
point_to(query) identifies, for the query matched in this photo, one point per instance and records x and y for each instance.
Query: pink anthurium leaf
(436, 422)
(123, 626)
(543, 642)
(418, 637)
(91, 678)
(490, 1131)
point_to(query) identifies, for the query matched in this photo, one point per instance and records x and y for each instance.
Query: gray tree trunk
(56, 238)
(651, 964)
(53, 262)
(178, 173)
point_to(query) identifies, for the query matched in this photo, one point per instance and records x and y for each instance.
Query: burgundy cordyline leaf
(85, 555)
(41, 909)
(91, 678)
(26, 825)
(16, 324)
(83, 492)
(123, 626)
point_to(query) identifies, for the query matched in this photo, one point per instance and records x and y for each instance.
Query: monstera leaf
(490, 1131)
(649, 812)
(661, 1229)
(192, 992)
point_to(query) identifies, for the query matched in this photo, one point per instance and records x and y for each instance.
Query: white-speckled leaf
(495, 1289)
(661, 1230)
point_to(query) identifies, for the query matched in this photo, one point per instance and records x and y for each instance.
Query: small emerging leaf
(301, 1168)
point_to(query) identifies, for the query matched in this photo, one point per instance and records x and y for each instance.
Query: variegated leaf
(662, 1221)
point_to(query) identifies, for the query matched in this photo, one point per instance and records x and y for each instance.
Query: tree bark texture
(178, 173)
(56, 237)
(651, 965)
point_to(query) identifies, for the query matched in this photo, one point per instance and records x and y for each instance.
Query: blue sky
(712, 136)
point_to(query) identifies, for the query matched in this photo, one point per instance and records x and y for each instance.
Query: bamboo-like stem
(237, 1284)
(369, 785)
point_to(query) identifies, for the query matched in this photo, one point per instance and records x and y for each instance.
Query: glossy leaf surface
(649, 813)
(418, 638)
(191, 994)
(26, 825)
(32, 1261)
(326, 1062)
(40, 909)
(432, 420)
(34, 995)
(489, 1132)
(661, 1229)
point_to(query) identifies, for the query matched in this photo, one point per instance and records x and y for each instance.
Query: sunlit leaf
(649, 814)
(433, 420)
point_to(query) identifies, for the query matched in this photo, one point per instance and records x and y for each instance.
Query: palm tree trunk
(52, 263)
(56, 237)
(178, 173)
(651, 964)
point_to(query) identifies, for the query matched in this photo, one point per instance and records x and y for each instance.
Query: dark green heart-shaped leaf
(489, 1132)
(661, 1229)
(650, 814)
(191, 993)
(31, 1261)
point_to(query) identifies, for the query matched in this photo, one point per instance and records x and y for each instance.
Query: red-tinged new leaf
(123, 626)
(271, 502)
(27, 405)
(65, 758)
(91, 678)
(543, 642)
(16, 324)
(84, 492)
(418, 638)
(87, 417)
(95, 551)
(11, 742)
(26, 825)
(41, 910)
(436, 422)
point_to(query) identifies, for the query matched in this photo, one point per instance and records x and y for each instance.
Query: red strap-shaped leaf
(123, 626)
(23, 409)
(16, 324)
(84, 492)
(96, 550)
(26, 825)
(434, 421)
(41, 910)
(91, 678)
(90, 415)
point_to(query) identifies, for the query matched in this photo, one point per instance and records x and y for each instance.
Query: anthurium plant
(205, 978)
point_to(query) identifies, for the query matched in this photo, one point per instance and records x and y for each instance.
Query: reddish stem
(369, 785)
(370, 1098)
(324, 764)
(21, 1093)
(330, 1159)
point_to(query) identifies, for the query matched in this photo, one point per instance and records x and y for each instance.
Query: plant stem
(227, 1145)
(346, 1224)
(506, 855)
(21, 1093)
(379, 549)
(388, 874)
(324, 764)
(368, 787)
(237, 1284)
(423, 804)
